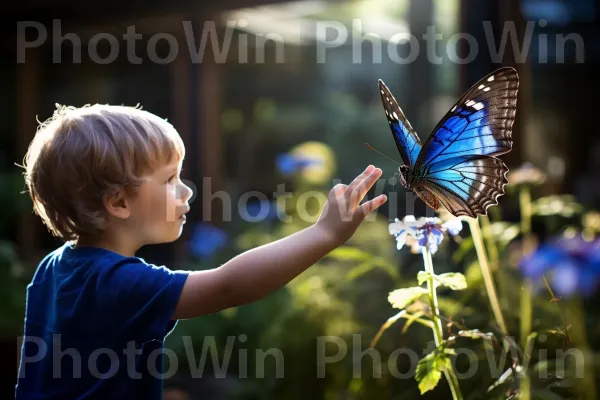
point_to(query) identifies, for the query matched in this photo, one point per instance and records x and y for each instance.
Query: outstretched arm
(256, 273)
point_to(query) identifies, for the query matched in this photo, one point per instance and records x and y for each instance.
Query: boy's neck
(112, 242)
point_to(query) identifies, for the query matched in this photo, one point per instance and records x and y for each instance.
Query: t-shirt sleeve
(141, 298)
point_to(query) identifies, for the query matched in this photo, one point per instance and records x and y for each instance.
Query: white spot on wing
(395, 115)
(470, 103)
(481, 87)
(382, 92)
(487, 89)
(491, 78)
(453, 109)
(478, 106)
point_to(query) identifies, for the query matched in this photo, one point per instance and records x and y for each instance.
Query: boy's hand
(343, 212)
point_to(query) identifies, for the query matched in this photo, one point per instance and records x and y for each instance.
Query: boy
(106, 180)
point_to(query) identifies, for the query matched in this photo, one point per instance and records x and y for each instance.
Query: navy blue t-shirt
(95, 326)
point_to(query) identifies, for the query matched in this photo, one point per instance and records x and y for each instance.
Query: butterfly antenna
(378, 152)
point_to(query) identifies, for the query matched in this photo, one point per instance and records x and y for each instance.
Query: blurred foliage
(13, 200)
(352, 292)
(14, 277)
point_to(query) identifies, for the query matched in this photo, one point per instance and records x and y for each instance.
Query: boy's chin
(166, 239)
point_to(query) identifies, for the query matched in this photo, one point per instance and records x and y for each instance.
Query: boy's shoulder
(85, 300)
(87, 290)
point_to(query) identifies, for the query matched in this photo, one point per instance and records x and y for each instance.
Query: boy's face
(158, 210)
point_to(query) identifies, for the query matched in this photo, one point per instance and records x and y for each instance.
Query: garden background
(251, 120)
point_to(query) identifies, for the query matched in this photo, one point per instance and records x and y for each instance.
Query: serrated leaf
(400, 298)
(426, 374)
(452, 280)
(429, 369)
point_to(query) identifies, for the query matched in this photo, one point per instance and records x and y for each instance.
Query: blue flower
(206, 239)
(424, 232)
(572, 263)
(289, 164)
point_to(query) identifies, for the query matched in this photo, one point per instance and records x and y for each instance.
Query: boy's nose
(185, 192)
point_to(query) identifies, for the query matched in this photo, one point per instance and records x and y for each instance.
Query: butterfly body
(457, 166)
(413, 181)
(409, 178)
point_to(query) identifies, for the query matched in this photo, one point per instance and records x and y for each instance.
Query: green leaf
(360, 270)
(453, 280)
(369, 265)
(400, 298)
(476, 334)
(350, 253)
(429, 369)
(423, 277)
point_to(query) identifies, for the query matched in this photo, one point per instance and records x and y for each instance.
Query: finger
(339, 189)
(369, 206)
(358, 180)
(362, 189)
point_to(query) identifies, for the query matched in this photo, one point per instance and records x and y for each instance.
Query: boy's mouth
(182, 217)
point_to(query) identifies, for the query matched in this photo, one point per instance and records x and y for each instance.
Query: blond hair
(79, 155)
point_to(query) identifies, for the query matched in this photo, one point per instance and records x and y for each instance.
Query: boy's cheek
(161, 206)
(170, 206)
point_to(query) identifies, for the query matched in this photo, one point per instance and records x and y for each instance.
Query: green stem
(526, 209)
(526, 291)
(491, 244)
(438, 332)
(486, 273)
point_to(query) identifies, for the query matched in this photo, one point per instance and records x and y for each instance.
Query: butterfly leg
(394, 179)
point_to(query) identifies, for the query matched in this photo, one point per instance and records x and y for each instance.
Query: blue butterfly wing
(458, 161)
(407, 140)
(466, 185)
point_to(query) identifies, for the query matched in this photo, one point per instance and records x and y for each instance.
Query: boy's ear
(117, 204)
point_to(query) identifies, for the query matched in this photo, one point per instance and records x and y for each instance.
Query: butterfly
(457, 166)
